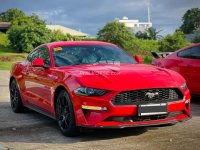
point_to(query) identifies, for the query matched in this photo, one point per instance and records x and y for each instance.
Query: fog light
(187, 101)
(93, 107)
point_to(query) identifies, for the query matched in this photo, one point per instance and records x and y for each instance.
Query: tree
(153, 34)
(26, 38)
(11, 14)
(142, 35)
(27, 32)
(196, 37)
(117, 33)
(191, 21)
(173, 42)
(149, 34)
(196, 40)
(23, 21)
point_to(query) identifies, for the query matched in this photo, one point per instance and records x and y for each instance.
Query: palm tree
(153, 34)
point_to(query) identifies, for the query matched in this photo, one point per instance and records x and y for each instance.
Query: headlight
(184, 86)
(89, 91)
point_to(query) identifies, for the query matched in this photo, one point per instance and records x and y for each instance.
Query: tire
(15, 98)
(65, 115)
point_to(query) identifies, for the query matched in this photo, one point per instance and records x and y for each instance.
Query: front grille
(145, 96)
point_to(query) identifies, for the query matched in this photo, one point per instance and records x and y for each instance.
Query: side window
(33, 55)
(44, 53)
(195, 52)
(192, 53)
(184, 53)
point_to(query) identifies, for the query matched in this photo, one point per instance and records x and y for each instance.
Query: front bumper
(136, 124)
(107, 118)
(141, 123)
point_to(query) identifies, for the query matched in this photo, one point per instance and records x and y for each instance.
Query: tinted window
(40, 53)
(44, 53)
(90, 54)
(193, 53)
(33, 55)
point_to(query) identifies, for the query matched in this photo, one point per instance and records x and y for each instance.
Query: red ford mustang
(185, 61)
(97, 84)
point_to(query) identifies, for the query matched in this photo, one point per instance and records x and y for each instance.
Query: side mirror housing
(38, 62)
(138, 59)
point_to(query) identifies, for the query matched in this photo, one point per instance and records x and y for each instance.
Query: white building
(136, 25)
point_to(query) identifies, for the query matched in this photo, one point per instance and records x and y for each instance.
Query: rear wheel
(65, 115)
(15, 98)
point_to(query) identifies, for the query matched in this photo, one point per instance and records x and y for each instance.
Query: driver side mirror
(138, 59)
(38, 62)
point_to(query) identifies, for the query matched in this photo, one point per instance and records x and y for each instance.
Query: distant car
(185, 61)
(97, 84)
(162, 54)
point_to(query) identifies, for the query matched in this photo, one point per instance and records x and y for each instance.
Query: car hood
(124, 76)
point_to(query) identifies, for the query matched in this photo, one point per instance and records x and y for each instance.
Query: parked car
(160, 55)
(97, 84)
(185, 61)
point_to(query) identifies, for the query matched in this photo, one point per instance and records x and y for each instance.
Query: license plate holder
(152, 109)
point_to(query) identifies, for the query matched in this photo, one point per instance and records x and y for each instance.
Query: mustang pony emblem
(151, 95)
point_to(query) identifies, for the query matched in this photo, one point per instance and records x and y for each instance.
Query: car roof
(181, 49)
(71, 43)
(190, 46)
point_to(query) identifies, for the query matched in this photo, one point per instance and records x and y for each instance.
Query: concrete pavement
(30, 131)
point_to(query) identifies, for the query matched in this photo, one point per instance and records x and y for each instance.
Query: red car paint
(187, 66)
(38, 85)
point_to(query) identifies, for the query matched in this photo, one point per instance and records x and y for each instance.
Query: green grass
(5, 65)
(7, 51)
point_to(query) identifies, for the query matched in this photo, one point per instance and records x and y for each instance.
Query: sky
(91, 15)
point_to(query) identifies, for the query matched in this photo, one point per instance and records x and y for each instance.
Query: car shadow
(195, 100)
(45, 130)
(195, 106)
(104, 134)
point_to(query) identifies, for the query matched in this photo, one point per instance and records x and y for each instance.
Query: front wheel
(65, 115)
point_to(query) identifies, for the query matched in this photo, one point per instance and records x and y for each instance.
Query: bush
(173, 42)
(59, 36)
(147, 59)
(4, 42)
(142, 47)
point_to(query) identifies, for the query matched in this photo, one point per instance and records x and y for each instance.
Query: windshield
(90, 54)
